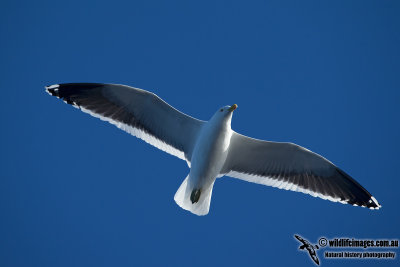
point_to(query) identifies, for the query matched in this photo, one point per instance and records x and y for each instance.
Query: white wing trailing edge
(138, 112)
(292, 167)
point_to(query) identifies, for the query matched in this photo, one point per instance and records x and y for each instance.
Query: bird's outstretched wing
(292, 167)
(138, 112)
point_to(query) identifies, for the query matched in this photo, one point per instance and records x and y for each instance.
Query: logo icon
(309, 247)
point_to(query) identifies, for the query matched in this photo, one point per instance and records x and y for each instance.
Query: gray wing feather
(292, 167)
(139, 112)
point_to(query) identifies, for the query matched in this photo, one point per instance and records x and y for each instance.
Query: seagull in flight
(211, 148)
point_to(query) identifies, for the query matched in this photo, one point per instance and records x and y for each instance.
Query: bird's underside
(282, 165)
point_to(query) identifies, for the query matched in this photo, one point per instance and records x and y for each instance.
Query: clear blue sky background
(76, 191)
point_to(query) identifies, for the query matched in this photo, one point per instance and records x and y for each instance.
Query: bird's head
(224, 114)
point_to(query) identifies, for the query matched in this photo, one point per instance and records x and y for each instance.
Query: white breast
(209, 154)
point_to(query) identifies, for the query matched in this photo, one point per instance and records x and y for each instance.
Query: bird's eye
(221, 109)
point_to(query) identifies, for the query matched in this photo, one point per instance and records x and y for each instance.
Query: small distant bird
(309, 247)
(211, 148)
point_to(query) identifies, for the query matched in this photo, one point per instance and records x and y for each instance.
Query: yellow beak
(233, 107)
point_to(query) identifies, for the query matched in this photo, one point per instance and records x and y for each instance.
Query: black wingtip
(374, 204)
(53, 90)
(362, 197)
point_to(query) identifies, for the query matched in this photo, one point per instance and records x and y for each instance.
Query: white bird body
(208, 158)
(212, 149)
(210, 152)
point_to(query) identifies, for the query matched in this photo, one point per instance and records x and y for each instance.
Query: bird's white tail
(182, 198)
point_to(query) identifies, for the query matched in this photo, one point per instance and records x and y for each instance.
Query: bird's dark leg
(302, 247)
(194, 197)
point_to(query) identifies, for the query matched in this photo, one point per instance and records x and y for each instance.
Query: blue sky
(75, 191)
